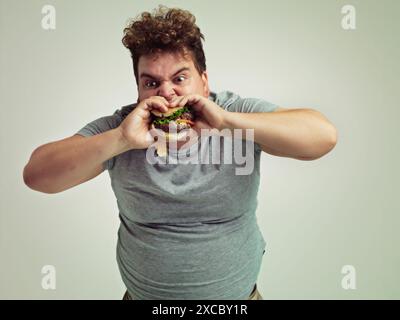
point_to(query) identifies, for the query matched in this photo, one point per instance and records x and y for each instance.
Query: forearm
(59, 165)
(295, 133)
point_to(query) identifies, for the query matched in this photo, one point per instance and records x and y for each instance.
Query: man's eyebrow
(153, 77)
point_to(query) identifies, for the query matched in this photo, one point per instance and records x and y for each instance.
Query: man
(188, 231)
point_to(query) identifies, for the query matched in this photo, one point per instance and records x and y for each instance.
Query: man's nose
(166, 90)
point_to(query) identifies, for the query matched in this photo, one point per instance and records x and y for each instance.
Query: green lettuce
(173, 116)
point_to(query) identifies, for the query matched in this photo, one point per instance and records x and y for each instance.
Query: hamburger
(175, 123)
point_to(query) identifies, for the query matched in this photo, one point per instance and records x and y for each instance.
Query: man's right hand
(135, 127)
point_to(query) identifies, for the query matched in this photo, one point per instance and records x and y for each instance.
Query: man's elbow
(331, 141)
(327, 146)
(33, 184)
(28, 178)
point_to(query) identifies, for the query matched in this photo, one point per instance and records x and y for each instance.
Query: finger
(176, 102)
(183, 101)
(164, 104)
(158, 103)
(159, 107)
(162, 100)
(192, 100)
(143, 113)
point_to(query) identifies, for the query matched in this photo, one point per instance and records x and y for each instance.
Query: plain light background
(316, 216)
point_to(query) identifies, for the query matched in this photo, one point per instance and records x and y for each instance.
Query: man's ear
(206, 87)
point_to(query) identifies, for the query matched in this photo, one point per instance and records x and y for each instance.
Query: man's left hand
(209, 115)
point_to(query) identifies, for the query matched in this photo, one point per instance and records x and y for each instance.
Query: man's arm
(303, 134)
(60, 165)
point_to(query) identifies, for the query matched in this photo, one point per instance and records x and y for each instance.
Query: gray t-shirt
(188, 231)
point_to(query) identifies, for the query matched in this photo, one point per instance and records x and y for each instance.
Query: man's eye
(180, 78)
(150, 84)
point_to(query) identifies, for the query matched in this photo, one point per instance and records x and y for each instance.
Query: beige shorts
(255, 295)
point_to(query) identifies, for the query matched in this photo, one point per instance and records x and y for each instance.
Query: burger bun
(168, 113)
(172, 137)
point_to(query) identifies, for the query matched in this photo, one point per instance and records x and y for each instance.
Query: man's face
(169, 75)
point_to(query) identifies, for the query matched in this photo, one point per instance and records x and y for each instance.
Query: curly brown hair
(166, 30)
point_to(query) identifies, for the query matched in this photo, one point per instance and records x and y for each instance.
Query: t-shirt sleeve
(101, 125)
(235, 103)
